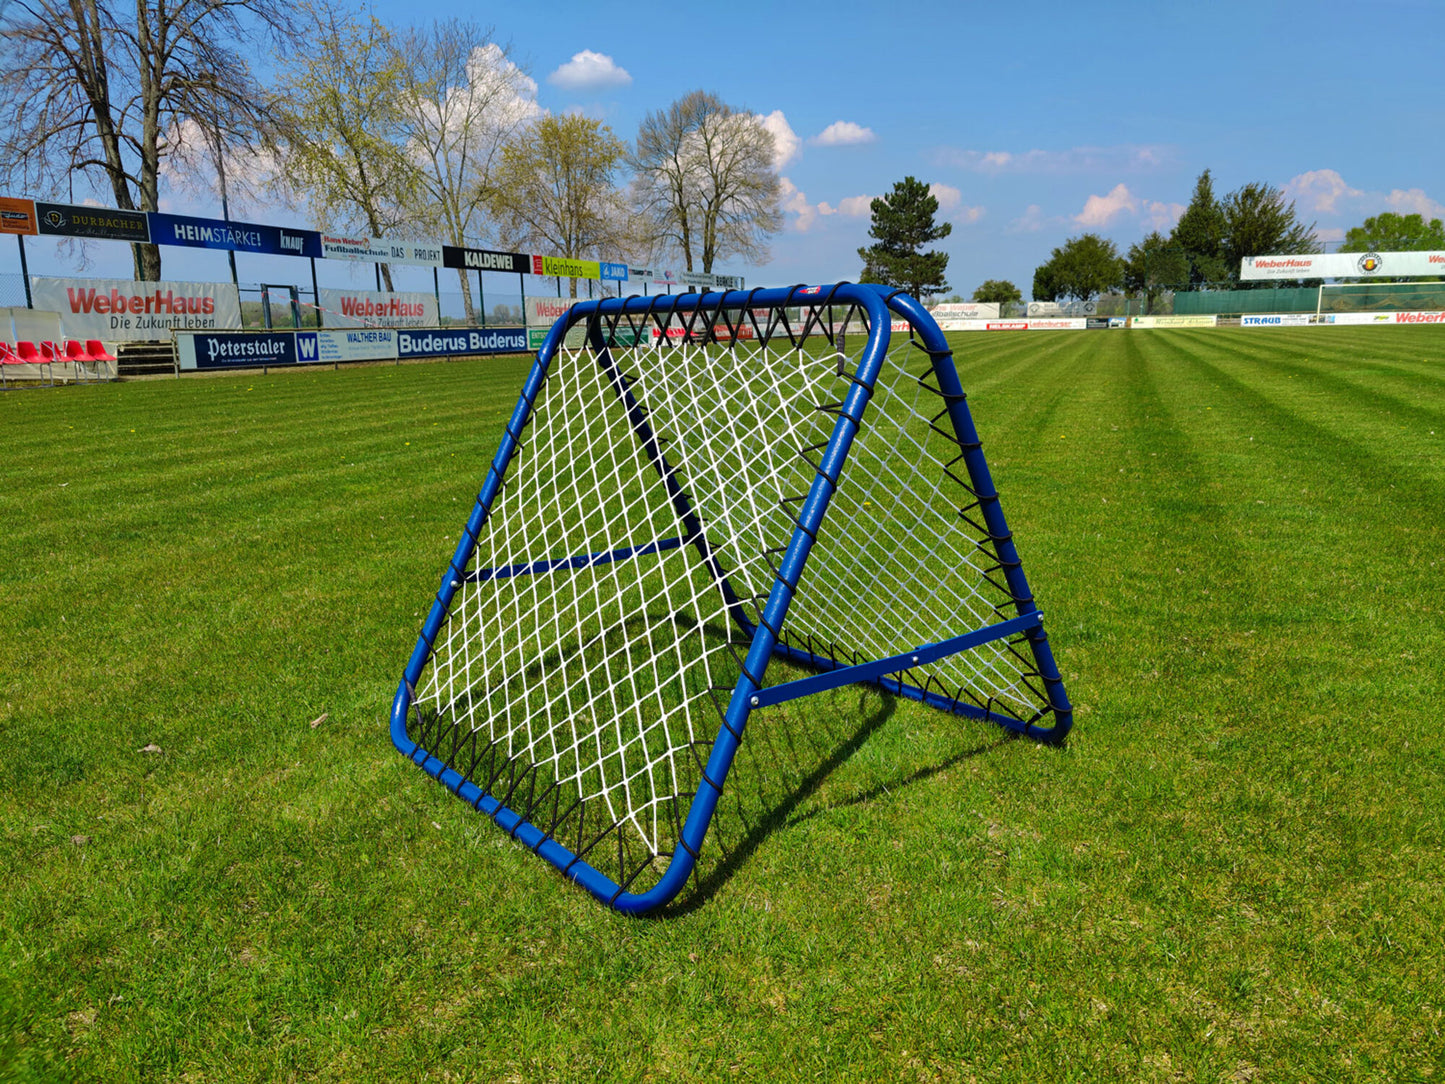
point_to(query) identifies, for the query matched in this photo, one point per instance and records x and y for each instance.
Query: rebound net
(700, 486)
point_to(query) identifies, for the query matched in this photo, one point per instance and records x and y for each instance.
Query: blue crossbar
(871, 671)
(584, 560)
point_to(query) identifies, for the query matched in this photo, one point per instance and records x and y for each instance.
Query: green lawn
(1232, 872)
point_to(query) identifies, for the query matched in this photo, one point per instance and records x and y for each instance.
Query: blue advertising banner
(235, 236)
(438, 344)
(614, 272)
(235, 350)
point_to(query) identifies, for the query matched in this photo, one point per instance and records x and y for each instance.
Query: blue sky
(1036, 122)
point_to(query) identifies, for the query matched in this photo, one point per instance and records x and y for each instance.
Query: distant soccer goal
(706, 485)
(1381, 297)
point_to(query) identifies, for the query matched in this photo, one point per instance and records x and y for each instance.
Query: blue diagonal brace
(871, 671)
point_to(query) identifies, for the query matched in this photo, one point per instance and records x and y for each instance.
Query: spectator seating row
(49, 354)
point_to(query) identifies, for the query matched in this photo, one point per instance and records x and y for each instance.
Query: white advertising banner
(546, 311)
(379, 250)
(962, 325)
(366, 308)
(114, 309)
(965, 310)
(1281, 319)
(1067, 323)
(361, 344)
(1172, 321)
(1343, 265)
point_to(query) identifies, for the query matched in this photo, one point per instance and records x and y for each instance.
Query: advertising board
(115, 309)
(17, 215)
(104, 223)
(236, 236)
(1067, 323)
(440, 343)
(1282, 319)
(546, 311)
(380, 250)
(965, 310)
(362, 344)
(562, 267)
(1172, 321)
(368, 308)
(1343, 265)
(234, 349)
(486, 259)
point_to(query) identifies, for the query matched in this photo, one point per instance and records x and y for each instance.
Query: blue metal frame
(749, 693)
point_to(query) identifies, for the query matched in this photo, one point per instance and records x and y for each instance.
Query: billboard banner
(466, 341)
(114, 309)
(191, 232)
(948, 324)
(484, 259)
(546, 311)
(235, 350)
(613, 272)
(17, 215)
(368, 308)
(104, 223)
(1343, 265)
(365, 344)
(378, 250)
(1283, 319)
(1067, 323)
(966, 310)
(654, 277)
(1172, 321)
(562, 267)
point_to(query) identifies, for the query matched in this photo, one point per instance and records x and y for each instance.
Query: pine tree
(902, 225)
(1199, 233)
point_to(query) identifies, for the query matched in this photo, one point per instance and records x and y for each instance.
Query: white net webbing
(582, 671)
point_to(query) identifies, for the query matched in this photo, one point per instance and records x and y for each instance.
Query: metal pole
(316, 294)
(522, 288)
(436, 289)
(377, 268)
(482, 295)
(25, 271)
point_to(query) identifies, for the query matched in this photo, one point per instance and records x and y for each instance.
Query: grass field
(217, 868)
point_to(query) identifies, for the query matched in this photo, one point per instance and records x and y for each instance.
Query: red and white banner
(367, 308)
(114, 309)
(1343, 265)
(546, 311)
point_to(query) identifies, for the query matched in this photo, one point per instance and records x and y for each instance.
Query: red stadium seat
(97, 351)
(28, 355)
(80, 357)
(7, 357)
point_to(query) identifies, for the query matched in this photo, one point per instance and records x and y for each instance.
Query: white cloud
(1320, 190)
(590, 71)
(947, 196)
(1102, 210)
(843, 133)
(968, 215)
(1030, 221)
(1413, 201)
(795, 202)
(786, 143)
(1124, 157)
(855, 206)
(1162, 216)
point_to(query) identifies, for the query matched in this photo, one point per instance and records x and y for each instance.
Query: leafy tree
(1389, 232)
(461, 100)
(1199, 233)
(902, 224)
(998, 290)
(706, 182)
(1258, 220)
(105, 88)
(554, 187)
(1084, 267)
(1153, 266)
(339, 115)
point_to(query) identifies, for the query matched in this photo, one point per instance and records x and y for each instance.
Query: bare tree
(460, 100)
(338, 114)
(706, 180)
(90, 87)
(555, 187)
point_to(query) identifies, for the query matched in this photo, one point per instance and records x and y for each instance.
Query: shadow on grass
(782, 763)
